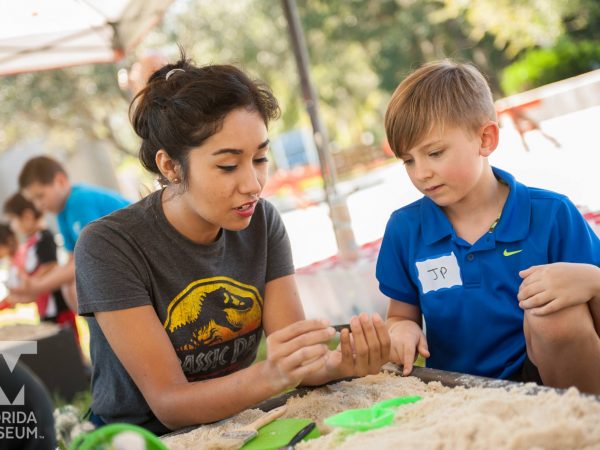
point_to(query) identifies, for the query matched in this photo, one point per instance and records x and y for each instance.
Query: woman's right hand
(295, 351)
(407, 338)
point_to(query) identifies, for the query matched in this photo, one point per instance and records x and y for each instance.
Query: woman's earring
(176, 180)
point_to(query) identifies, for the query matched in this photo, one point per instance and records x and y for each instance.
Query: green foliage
(542, 66)
(82, 401)
(515, 24)
(65, 108)
(377, 43)
(359, 51)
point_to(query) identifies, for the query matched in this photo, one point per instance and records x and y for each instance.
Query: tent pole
(338, 208)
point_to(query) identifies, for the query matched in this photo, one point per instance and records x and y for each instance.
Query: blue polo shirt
(468, 293)
(84, 205)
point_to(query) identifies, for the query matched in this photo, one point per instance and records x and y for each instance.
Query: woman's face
(226, 175)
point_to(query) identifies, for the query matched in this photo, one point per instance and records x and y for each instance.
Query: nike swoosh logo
(507, 253)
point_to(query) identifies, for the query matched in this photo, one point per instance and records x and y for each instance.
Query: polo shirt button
(470, 257)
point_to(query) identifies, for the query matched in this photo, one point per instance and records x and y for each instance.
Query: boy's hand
(363, 352)
(551, 287)
(407, 339)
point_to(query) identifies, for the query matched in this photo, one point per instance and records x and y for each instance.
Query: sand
(446, 418)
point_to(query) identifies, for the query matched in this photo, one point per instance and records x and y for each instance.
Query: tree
(64, 107)
(517, 25)
(359, 49)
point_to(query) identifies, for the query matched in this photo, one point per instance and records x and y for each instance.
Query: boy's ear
(61, 179)
(489, 138)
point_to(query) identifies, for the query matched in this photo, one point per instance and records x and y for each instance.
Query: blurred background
(542, 60)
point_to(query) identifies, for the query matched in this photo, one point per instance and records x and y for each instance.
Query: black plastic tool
(299, 436)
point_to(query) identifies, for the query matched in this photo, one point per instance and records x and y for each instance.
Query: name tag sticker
(438, 273)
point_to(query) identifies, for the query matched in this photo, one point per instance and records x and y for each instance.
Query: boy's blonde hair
(442, 93)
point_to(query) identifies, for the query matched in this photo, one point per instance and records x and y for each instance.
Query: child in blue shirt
(45, 183)
(457, 256)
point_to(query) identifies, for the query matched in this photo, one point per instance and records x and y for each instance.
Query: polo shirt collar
(513, 224)
(516, 214)
(436, 225)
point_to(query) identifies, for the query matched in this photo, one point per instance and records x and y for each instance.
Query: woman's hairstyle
(183, 105)
(16, 204)
(442, 93)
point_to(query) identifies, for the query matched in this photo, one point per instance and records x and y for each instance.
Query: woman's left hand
(364, 351)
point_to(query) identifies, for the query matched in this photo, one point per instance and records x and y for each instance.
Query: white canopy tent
(49, 34)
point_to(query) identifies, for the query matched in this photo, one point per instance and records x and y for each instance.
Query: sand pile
(446, 418)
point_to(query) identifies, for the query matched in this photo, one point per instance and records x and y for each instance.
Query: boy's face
(447, 166)
(4, 251)
(26, 224)
(49, 197)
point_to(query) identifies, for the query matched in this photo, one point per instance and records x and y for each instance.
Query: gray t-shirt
(208, 297)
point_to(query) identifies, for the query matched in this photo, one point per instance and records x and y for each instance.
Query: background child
(8, 250)
(455, 255)
(45, 183)
(36, 256)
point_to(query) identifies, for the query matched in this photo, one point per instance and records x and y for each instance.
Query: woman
(179, 287)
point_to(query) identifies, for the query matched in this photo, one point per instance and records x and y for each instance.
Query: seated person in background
(9, 246)
(44, 182)
(36, 256)
(455, 255)
(179, 287)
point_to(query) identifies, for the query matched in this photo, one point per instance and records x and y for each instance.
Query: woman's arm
(177, 402)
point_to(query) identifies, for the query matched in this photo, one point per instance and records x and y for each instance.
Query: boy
(456, 256)
(45, 183)
(37, 256)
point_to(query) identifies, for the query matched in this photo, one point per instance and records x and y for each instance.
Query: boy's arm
(49, 282)
(14, 298)
(43, 269)
(407, 337)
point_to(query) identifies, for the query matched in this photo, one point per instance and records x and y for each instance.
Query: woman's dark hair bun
(181, 112)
